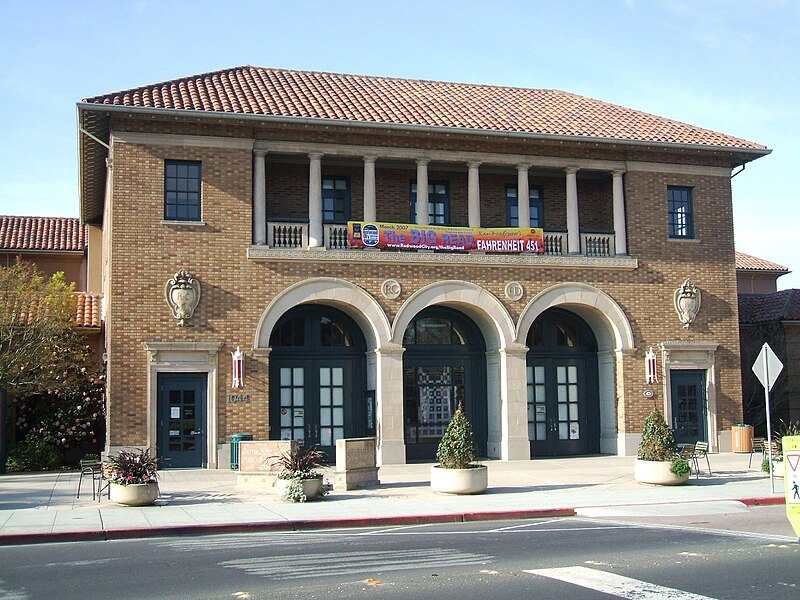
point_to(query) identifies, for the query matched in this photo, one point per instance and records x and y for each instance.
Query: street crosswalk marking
(300, 566)
(616, 585)
(246, 540)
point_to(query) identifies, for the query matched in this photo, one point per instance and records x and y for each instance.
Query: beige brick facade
(143, 251)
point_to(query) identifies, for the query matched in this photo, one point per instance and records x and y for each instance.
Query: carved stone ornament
(514, 290)
(183, 296)
(687, 303)
(391, 289)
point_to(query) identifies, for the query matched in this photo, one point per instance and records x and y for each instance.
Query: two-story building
(381, 249)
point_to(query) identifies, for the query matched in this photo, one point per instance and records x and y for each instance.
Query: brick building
(239, 186)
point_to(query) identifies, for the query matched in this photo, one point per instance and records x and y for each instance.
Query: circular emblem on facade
(370, 235)
(391, 289)
(514, 290)
(649, 393)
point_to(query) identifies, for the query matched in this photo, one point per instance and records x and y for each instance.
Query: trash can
(742, 438)
(235, 439)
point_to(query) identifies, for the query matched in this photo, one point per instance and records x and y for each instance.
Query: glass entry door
(558, 419)
(688, 391)
(182, 419)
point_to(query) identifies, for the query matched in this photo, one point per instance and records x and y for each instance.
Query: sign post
(767, 368)
(791, 478)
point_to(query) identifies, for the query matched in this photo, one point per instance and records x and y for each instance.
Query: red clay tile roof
(42, 233)
(745, 262)
(777, 306)
(87, 312)
(249, 90)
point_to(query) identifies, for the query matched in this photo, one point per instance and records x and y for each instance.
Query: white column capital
(523, 167)
(474, 164)
(315, 155)
(260, 153)
(571, 170)
(370, 159)
(423, 162)
(618, 172)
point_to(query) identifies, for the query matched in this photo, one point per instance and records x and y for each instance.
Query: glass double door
(561, 421)
(688, 391)
(315, 403)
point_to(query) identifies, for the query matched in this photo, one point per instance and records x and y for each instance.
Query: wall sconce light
(650, 367)
(237, 369)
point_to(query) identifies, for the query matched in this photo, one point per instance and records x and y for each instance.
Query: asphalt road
(575, 558)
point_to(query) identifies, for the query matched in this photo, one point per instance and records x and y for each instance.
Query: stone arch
(480, 305)
(598, 309)
(346, 296)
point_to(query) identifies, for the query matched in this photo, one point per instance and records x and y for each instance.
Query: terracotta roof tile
(777, 306)
(42, 233)
(88, 309)
(745, 262)
(384, 100)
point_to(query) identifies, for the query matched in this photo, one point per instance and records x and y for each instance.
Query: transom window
(438, 202)
(435, 330)
(335, 199)
(536, 203)
(681, 212)
(181, 190)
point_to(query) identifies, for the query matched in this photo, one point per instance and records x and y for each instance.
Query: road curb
(46, 537)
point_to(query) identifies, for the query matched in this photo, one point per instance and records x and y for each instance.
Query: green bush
(457, 448)
(680, 467)
(658, 442)
(33, 455)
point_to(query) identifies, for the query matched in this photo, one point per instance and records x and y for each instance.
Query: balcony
(288, 241)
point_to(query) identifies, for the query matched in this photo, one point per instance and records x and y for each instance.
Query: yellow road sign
(791, 478)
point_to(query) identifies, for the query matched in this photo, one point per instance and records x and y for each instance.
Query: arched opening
(562, 383)
(444, 363)
(317, 378)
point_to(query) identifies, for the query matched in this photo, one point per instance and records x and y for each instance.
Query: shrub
(133, 467)
(300, 464)
(680, 467)
(457, 448)
(33, 455)
(658, 441)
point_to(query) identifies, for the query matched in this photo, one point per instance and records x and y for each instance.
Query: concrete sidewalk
(42, 507)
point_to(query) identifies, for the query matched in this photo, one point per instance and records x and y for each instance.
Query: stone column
(370, 212)
(315, 201)
(620, 236)
(259, 198)
(523, 193)
(573, 225)
(474, 195)
(514, 403)
(422, 192)
(390, 428)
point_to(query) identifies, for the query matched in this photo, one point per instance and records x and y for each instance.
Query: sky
(726, 65)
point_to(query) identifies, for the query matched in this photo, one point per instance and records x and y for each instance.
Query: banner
(406, 236)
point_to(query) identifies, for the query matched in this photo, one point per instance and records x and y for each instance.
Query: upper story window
(335, 199)
(181, 190)
(681, 212)
(536, 203)
(438, 202)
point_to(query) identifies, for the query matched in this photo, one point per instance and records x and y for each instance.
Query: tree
(36, 329)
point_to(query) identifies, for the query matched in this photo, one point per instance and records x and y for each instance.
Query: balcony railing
(289, 235)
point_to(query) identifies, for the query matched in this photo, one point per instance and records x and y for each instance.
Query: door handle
(195, 432)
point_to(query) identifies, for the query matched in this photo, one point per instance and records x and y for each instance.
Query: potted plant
(658, 461)
(456, 472)
(299, 479)
(133, 478)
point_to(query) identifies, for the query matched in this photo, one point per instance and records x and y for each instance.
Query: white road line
(525, 525)
(616, 585)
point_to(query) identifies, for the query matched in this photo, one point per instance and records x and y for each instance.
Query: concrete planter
(657, 473)
(473, 480)
(311, 487)
(134, 494)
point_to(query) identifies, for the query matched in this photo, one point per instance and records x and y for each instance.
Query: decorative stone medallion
(183, 295)
(514, 290)
(391, 289)
(687, 303)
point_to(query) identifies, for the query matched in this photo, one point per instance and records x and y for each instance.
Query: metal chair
(759, 445)
(92, 468)
(699, 452)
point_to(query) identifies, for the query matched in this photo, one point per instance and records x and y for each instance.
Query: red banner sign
(405, 236)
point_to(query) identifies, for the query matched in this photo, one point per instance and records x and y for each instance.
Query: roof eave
(753, 153)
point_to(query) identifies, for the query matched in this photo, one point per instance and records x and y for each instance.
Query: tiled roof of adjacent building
(745, 262)
(281, 93)
(777, 306)
(87, 311)
(53, 234)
